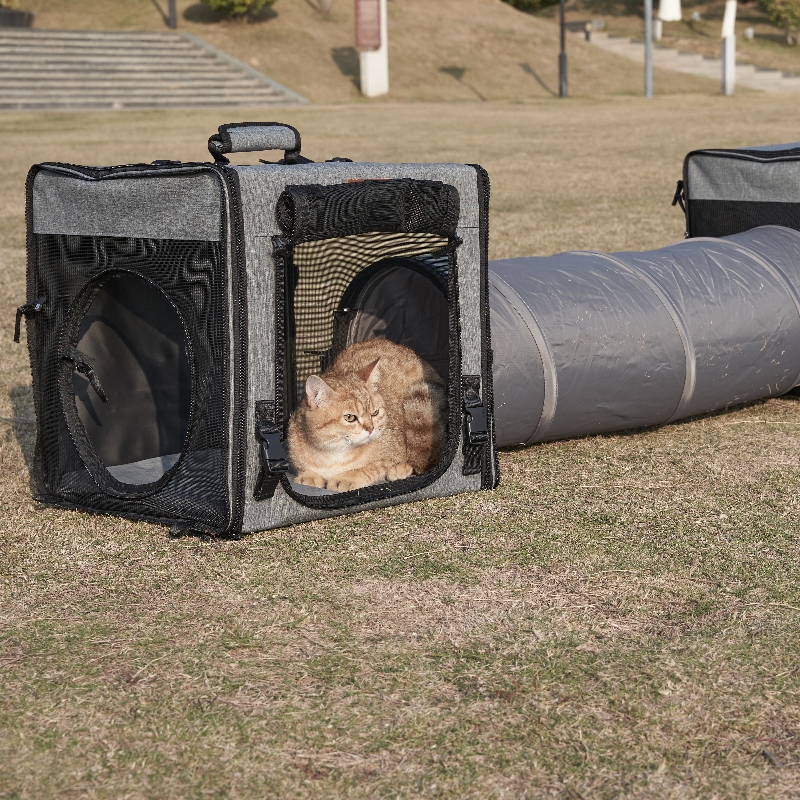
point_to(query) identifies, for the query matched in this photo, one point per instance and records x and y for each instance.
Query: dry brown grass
(440, 50)
(618, 619)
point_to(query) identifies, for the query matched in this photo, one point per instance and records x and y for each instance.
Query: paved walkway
(46, 69)
(768, 80)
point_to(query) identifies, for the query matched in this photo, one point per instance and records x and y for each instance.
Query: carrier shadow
(23, 423)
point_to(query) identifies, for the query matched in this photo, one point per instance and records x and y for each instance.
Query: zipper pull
(26, 308)
(81, 363)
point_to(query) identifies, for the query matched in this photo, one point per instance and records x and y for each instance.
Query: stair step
(56, 103)
(695, 64)
(85, 36)
(115, 69)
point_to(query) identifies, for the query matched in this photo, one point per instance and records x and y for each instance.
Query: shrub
(531, 5)
(9, 3)
(785, 14)
(238, 8)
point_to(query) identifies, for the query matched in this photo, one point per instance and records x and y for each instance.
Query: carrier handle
(247, 137)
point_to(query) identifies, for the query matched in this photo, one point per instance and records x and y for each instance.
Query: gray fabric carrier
(175, 312)
(590, 342)
(724, 192)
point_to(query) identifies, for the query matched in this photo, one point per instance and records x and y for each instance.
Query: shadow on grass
(204, 15)
(346, 60)
(528, 70)
(161, 13)
(458, 74)
(23, 423)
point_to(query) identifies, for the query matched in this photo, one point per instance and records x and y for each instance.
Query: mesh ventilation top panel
(325, 269)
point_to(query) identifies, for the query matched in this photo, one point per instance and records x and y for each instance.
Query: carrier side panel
(131, 351)
(728, 192)
(261, 188)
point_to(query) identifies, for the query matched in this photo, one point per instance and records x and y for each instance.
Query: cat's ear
(371, 374)
(318, 392)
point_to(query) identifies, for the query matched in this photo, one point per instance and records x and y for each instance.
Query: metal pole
(173, 14)
(562, 56)
(648, 49)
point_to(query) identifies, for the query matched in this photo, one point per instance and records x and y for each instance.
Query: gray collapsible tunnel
(590, 342)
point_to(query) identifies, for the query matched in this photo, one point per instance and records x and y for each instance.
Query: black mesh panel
(325, 269)
(726, 217)
(189, 277)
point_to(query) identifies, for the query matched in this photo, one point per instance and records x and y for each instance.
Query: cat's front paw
(308, 478)
(399, 471)
(346, 483)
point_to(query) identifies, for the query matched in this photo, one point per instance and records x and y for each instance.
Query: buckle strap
(274, 463)
(476, 429)
(679, 197)
(26, 308)
(83, 364)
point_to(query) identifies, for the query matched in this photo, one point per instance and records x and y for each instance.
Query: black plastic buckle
(26, 308)
(476, 429)
(274, 463)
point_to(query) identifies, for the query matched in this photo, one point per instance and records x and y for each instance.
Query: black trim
(238, 279)
(491, 466)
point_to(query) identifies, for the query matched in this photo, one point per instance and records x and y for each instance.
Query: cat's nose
(368, 430)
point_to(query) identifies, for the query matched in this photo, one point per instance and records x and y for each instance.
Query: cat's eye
(350, 417)
(376, 412)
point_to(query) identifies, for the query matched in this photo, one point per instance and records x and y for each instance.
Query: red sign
(368, 24)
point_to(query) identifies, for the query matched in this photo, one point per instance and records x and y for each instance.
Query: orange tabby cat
(377, 413)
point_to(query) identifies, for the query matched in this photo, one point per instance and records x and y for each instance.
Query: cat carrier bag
(724, 192)
(175, 311)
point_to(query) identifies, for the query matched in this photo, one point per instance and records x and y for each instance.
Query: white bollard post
(669, 10)
(729, 48)
(374, 63)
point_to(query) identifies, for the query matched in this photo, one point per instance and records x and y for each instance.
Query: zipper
(239, 409)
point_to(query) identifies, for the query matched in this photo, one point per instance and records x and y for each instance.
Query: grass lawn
(618, 619)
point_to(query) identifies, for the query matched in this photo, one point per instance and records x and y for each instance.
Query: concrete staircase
(51, 70)
(770, 80)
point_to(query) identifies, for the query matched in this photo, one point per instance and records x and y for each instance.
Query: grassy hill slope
(440, 50)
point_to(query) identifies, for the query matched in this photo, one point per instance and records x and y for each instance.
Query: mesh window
(324, 271)
(73, 457)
